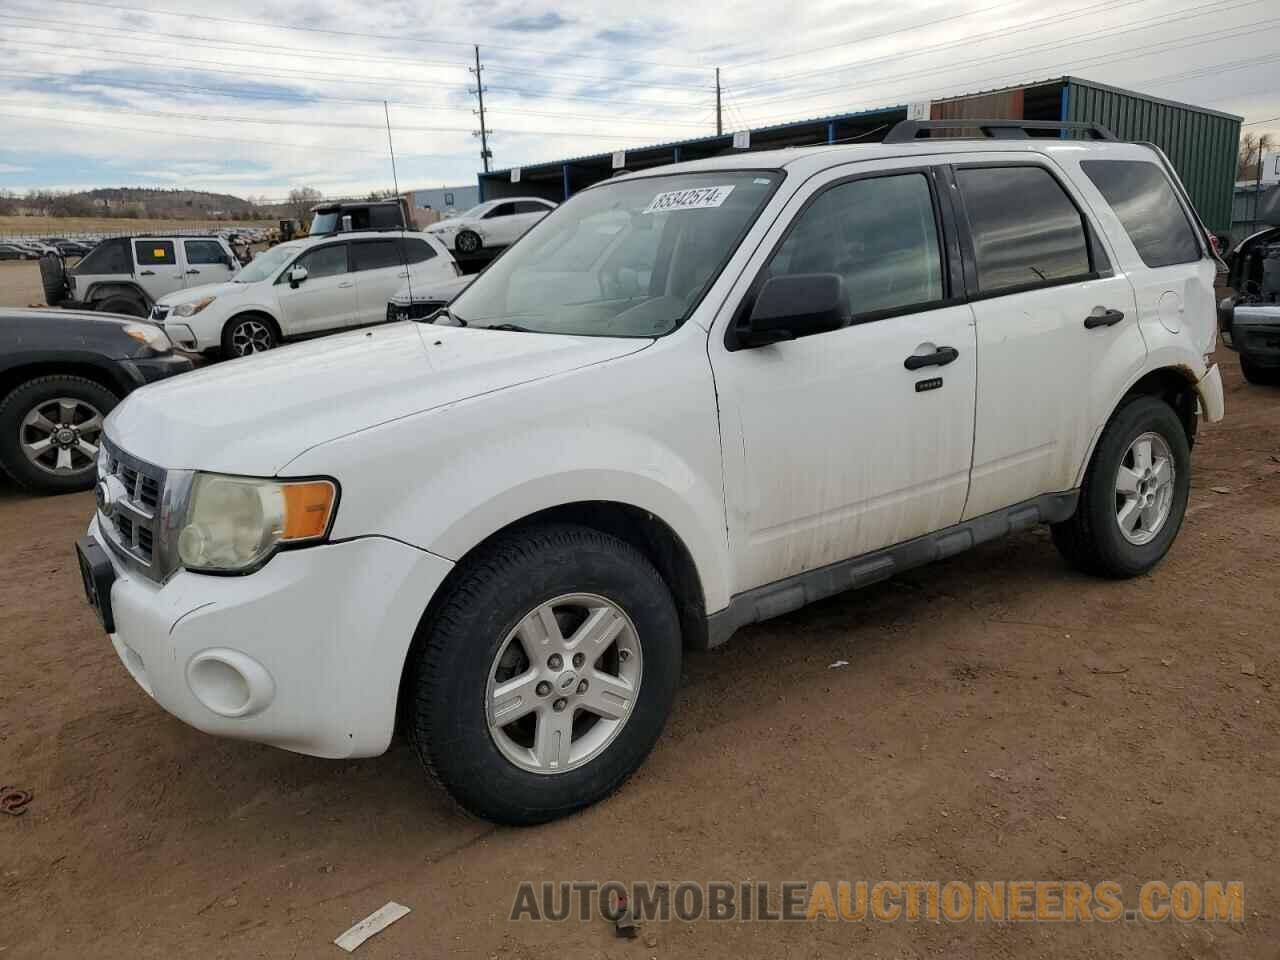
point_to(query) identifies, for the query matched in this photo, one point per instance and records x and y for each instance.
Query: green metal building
(1201, 143)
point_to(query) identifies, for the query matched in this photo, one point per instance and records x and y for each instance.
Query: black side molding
(784, 596)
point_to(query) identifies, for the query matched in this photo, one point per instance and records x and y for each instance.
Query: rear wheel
(1134, 494)
(249, 334)
(129, 306)
(546, 676)
(50, 431)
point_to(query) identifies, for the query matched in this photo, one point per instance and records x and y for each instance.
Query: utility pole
(719, 121)
(483, 132)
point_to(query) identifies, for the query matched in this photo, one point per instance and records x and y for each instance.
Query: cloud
(543, 23)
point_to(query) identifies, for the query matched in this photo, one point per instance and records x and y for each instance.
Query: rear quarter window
(110, 256)
(1144, 200)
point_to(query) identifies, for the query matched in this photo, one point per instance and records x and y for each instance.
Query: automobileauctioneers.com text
(886, 901)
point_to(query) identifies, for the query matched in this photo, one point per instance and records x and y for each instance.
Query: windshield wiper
(514, 327)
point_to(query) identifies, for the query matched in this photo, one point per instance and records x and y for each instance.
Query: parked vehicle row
(689, 399)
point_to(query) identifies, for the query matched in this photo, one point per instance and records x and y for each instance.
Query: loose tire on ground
(248, 334)
(453, 692)
(53, 279)
(21, 429)
(1092, 540)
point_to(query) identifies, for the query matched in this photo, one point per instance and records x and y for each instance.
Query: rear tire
(28, 416)
(1128, 514)
(1263, 376)
(128, 306)
(552, 747)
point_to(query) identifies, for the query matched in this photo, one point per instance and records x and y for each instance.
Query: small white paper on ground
(838, 663)
(695, 198)
(375, 922)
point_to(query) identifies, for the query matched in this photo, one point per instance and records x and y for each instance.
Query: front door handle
(189, 272)
(345, 284)
(1103, 318)
(147, 273)
(939, 358)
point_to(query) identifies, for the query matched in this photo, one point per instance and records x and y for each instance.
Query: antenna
(395, 182)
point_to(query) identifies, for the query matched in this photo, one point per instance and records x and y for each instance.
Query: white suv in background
(691, 398)
(301, 289)
(491, 225)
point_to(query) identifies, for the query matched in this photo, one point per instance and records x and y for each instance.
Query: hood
(428, 292)
(254, 415)
(192, 294)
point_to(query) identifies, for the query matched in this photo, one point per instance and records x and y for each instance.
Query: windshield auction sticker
(700, 198)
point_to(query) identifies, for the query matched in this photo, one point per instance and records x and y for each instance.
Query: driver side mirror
(296, 275)
(795, 305)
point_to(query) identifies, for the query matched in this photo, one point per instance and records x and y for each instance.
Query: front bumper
(150, 369)
(305, 654)
(1258, 343)
(1209, 390)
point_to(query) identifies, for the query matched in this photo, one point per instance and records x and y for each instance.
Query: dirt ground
(1000, 717)
(20, 283)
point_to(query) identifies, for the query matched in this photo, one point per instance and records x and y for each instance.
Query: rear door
(159, 271)
(1055, 324)
(379, 271)
(501, 225)
(207, 262)
(326, 300)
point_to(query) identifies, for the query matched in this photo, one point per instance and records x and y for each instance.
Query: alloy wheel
(61, 436)
(1144, 490)
(251, 336)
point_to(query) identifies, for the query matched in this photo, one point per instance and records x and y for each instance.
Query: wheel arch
(651, 535)
(261, 313)
(114, 288)
(1175, 384)
(100, 373)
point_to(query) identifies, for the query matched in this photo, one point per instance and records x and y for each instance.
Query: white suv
(491, 225)
(690, 399)
(301, 289)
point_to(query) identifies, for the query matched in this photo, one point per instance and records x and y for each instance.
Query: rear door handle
(1103, 318)
(939, 358)
(189, 272)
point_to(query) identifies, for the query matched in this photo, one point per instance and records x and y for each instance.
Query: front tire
(546, 675)
(1262, 376)
(468, 241)
(1134, 494)
(50, 431)
(248, 334)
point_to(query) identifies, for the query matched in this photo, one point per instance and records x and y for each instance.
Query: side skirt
(784, 596)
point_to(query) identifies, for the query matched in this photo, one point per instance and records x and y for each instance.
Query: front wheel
(545, 676)
(468, 241)
(1134, 494)
(248, 334)
(50, 431)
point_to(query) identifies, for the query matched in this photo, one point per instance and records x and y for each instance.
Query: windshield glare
(265, 264)
(626, 259)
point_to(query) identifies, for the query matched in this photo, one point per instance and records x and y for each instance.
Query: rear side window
(110, 256)
(1026, 230)
(530, 206)
(205, 251)
(154, 252)
(375, 254)
(1143, 199)
(417, 251)
(501, 210)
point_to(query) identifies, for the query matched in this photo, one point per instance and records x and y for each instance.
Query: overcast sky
(260, 96)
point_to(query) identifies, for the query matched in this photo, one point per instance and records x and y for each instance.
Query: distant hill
(134, 203)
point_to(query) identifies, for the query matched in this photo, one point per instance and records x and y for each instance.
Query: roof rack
(906, 131)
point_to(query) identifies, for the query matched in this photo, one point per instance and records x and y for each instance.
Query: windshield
(473, 212)
(625, 259)
(324, 223)
(265, 264)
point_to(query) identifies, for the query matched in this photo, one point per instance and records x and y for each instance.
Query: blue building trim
(831, 132)
(564, 173)
(1065, 110)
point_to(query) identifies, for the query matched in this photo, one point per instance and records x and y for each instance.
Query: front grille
(134, 520)
(419, 310)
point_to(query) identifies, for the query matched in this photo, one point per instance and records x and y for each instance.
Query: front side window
(205, 251)
(879, 234)
(327, 261)
(501, 210)
(627, 258)
(375, 255)
(154, 253)
(1026, 231)
(1143, 198)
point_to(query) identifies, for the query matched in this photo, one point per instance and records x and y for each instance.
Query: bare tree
(301, 200)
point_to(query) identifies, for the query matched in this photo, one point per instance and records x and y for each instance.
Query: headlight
(151, 335)
(191, 309)
(233, 524)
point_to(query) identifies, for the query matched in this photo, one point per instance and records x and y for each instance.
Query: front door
(834, 444)
(158, 270)
(325, 300)
(1055, 325)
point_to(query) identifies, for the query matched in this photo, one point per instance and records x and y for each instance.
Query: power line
(185, 15)
(1254, 123)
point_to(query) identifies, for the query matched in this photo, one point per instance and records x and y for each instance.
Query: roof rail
(906, 131)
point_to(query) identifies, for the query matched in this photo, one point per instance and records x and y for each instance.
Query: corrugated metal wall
(1202, 146)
